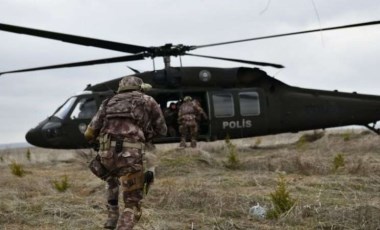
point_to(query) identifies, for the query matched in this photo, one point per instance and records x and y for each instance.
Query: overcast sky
(346, 60)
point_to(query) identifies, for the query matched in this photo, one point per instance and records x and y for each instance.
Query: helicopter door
(172, 98)
(236, 113)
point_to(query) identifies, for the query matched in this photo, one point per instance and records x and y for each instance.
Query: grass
(17, 169)
(194, 190)
(28, 154)
(62, 184)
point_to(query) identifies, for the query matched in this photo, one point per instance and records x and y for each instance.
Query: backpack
(187, 108)
(127, 105)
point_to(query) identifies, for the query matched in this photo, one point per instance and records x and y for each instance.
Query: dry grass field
(334, 182)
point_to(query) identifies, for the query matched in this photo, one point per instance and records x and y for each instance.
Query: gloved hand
(95, 145)
(148, 177)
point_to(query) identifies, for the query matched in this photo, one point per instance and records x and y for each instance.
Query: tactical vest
(127, 105)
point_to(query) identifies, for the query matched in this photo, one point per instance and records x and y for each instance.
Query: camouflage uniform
(122, 125)
(188, 118)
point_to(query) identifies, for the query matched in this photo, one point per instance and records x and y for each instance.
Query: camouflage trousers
(126, 170)
(187, 127)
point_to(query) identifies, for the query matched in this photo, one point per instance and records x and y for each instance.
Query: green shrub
(62, 184)
(281, 200)
(346, 136)
(301, 142)
(28, 154)
(309, 137)
(257, 143)
(233, 161)
(338, 161)
(17, 169)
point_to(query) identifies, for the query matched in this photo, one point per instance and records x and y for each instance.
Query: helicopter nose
(33, 137)
(30, 136)
(46, 134)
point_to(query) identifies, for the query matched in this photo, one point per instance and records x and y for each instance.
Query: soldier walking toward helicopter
(123, 124)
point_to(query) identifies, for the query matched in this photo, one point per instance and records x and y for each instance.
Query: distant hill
(15, 145)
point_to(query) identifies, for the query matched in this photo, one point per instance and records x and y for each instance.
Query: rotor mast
(166, 61)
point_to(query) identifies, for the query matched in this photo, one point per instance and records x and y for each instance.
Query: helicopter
(240, 102)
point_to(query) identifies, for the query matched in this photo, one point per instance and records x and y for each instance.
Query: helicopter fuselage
(240, 102)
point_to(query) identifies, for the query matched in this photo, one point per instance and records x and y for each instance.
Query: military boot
(182, 144)
(113, 216)
(193, 143)
(128, 218)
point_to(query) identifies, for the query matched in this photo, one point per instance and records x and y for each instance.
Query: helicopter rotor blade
(84, 63)
(239, 60)
(141, 51)
(110, 45)
(289, 34)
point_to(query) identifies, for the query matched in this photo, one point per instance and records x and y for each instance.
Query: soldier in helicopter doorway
(189, 116)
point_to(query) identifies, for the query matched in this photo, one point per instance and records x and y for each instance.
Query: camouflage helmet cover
(129, 83)
(187, 98)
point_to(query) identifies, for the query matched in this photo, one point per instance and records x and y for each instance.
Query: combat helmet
(187, 98)
(131, 83)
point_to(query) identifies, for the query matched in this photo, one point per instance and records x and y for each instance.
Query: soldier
(123, 124)
(188, 113)
(171, 117)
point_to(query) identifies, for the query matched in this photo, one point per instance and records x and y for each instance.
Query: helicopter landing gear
(372, 127)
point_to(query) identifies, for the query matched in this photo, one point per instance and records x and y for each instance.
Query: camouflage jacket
(133, 115)
(191, 108)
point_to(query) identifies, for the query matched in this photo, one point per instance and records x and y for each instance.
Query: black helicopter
(240, 102)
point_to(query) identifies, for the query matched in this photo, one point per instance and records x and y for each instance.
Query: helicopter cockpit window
(223, 105)
(249, 104)
(65, 108)
(84, 109)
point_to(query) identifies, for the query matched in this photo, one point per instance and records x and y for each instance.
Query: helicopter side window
(84, 109)
(223, 105)
(249, 103)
